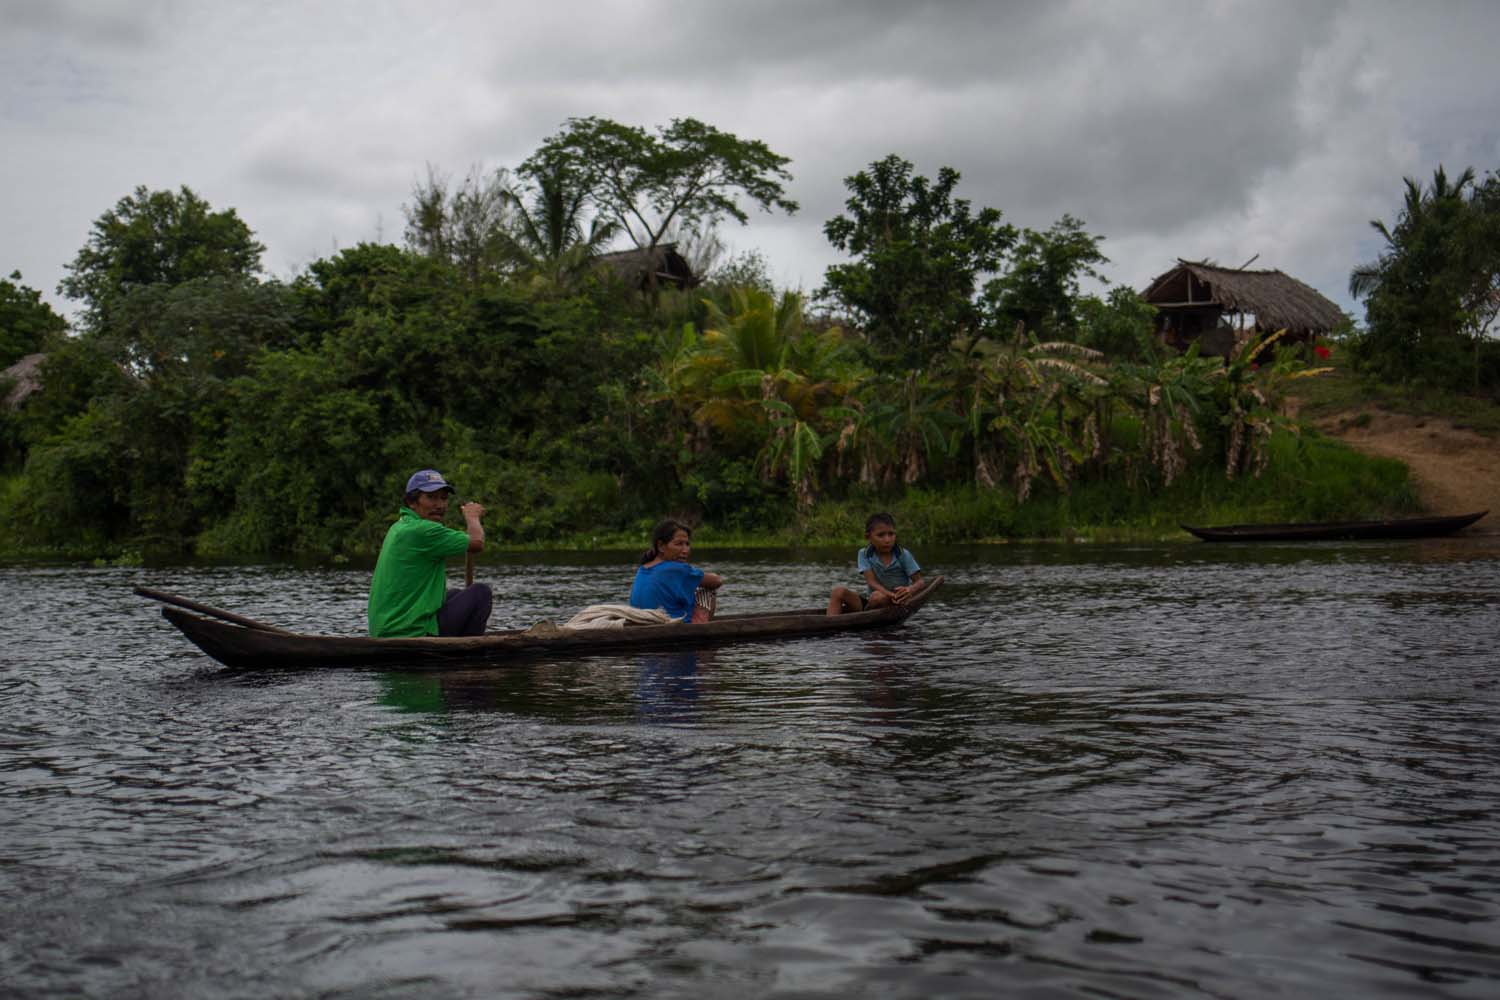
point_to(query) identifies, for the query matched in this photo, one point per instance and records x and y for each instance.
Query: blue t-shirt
(896, 573)
(669, 586)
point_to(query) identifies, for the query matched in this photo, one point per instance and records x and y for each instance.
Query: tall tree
(687, 175)
(1433, 292)
(1040, 287)
(157, 238)
(919, 255)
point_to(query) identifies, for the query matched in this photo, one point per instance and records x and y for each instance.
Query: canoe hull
(1408, 527)
(243, 647)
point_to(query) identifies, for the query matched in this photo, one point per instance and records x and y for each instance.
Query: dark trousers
(466, 612)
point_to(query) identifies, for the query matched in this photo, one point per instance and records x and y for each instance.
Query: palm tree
(1417, 207)
(1428, 295)
(551, 231)
(761, 374)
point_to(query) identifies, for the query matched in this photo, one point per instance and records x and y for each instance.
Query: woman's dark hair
(881, 518)
(663, 533)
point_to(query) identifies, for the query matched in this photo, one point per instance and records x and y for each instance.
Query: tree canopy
(157, 237)
(465, 224)
(1433, 294)
(1040, 287)
(686, 176)
(919, 253)
(553, 232)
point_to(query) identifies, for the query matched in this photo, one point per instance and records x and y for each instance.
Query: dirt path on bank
(1455, 470)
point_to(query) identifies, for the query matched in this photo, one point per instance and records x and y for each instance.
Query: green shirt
(410, 580)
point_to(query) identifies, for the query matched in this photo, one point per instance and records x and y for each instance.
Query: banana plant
(1252, 394)
(908, 422)
(761, 379)
(793, 451)
(1038, 444)
(1167, 397)
(860, 444)
(1036, 409)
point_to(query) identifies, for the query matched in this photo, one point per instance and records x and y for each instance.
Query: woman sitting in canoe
(667, 581)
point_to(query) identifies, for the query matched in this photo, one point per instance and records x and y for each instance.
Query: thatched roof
(637, 267)
(1278, 300)
(23, 378)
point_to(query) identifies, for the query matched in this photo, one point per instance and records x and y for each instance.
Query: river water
(1125, 771)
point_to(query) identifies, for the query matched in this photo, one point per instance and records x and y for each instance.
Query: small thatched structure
(1193, 299)
(660, 267)
(22, 379)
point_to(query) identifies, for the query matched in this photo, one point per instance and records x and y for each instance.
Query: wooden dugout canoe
(1323, 531)
(243, 643)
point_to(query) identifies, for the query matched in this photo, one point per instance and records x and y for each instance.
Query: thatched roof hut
(22, 379)
(661, 266)
(1193, 297)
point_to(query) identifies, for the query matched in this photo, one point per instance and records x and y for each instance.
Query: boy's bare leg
(880, 600)
(843, 600)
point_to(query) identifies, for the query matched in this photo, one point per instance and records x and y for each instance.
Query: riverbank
(1450, 445)
(1309, 477)
(1454, 470)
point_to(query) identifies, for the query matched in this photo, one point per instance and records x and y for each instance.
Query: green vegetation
(26, 322)
(1345, 392)
(1434, 293)
(955, 375)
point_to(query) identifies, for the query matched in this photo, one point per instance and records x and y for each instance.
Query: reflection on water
(649, 687)
(1114, 770)
(668, 684)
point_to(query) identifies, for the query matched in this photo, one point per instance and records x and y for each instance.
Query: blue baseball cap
(427, 481)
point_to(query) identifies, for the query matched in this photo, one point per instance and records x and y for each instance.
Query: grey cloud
(1167, 129)
(110, 23)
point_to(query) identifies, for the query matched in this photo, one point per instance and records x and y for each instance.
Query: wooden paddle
(468, 570)
(205, 609)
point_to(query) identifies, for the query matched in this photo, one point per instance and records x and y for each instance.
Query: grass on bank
(1342, 393)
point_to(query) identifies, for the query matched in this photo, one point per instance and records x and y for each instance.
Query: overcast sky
(1220, 129)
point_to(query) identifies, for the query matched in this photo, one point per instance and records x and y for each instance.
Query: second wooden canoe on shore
(1333, 531)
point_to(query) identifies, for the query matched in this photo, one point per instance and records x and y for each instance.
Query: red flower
(1322, 352)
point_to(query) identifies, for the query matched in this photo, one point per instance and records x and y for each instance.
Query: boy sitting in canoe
(891, 571)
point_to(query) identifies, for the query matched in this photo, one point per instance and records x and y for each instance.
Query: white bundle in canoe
(615, 616)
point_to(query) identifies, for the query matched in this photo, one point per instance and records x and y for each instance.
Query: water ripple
(1122, 771)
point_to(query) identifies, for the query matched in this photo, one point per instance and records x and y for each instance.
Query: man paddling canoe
(408, 595)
